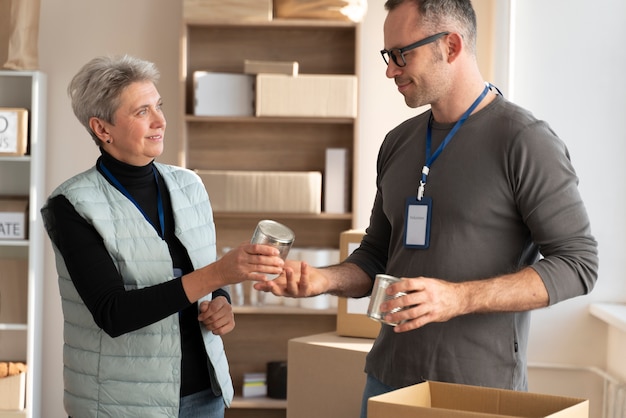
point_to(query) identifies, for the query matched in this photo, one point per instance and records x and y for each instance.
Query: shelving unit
(267, 144)
(24, 176)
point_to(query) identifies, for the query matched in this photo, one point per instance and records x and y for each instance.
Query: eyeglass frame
(401, 51)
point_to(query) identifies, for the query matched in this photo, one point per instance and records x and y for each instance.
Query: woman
(134, 241)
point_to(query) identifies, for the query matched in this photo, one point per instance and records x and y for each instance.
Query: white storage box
(13, 131)
(264, 191)
(306, 95)
(223, 94)
(13, 218)
(231, 10)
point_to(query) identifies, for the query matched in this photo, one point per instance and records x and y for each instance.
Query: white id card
(417, 226)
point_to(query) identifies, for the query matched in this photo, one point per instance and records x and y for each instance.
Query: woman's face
(139, 126)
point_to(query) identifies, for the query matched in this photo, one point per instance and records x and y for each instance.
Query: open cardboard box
(447, 400)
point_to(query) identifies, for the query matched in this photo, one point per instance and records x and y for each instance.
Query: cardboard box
(14, 218)
(13, 131)
(13, 290)
(271, 67)
(13, 392)
(325, 376)
(231, 10)
(307, 95)
(352, 319)
(223, 94)
(438, 400)
(264, 191)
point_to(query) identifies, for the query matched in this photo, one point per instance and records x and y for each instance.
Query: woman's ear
(98, 126)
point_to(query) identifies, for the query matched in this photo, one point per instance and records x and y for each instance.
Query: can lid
(277, 231)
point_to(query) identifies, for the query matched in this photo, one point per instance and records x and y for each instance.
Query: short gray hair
(445, 15)
(96, 89)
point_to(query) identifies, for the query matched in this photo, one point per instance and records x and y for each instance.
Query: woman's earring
(109, 141)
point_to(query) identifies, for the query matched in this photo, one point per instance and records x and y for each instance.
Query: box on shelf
(263, 191)
(271, 67)
(13, 218)
(436, 399)
(13, 291)
(352, 319)
(346, 10)
(223, 94)
(306, 95)
(13, 392)
(254, 385)
(231, 10)
(13, 131)
(337, 181)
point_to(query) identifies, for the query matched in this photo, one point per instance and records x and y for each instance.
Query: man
(501, 228)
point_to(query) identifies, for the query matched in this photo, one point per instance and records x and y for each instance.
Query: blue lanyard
(430, 159)
(122, 189)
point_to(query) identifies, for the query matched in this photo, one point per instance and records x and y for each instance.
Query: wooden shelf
(266, 119)
(258, 403)
(281, 310)
(304, 23)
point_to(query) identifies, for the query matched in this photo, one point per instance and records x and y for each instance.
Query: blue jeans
(201, 405)
(373, 387)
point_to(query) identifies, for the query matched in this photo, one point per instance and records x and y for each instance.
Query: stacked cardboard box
(263, 191)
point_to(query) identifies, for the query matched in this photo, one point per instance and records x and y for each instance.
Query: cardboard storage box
(13, 218)
(438, 400)
(13, 131)
(223, 94)
(271, 67)
(264, 191)
(13, 392)
(352, 319)
(306, 95)
(231, 10)
(325, 376)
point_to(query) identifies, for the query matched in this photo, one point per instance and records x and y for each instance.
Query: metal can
(379, 295)
(275, 234)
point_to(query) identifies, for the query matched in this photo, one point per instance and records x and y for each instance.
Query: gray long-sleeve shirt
(504, 196)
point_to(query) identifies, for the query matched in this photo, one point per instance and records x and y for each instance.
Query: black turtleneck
(114, 309)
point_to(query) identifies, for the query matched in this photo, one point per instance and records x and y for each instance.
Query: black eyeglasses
(397, 54)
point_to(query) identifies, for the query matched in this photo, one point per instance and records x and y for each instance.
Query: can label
(379, 295)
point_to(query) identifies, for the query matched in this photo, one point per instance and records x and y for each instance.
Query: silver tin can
(379, 295)
(275, 234)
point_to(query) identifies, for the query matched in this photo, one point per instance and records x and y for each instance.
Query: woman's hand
(217, 315)
(249, 262)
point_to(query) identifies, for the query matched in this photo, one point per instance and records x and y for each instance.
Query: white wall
(567, 53)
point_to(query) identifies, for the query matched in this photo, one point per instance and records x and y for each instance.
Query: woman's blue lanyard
(431, 159)
(122, 189)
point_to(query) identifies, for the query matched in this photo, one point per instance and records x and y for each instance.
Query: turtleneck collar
(125, 172)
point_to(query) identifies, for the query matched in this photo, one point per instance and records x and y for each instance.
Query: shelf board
(302, 23)
(14, 243)
(267, 119)
(281, 310)
(13, 327)
(263, 215)
(25, 158)
(258, 403)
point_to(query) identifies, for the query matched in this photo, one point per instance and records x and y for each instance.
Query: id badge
(417, 224)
